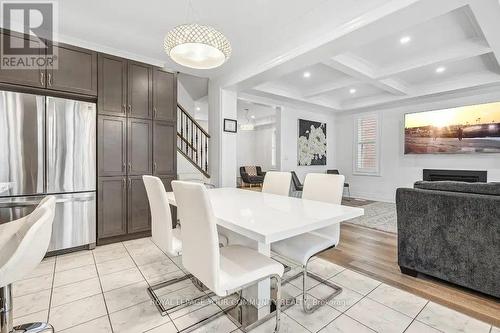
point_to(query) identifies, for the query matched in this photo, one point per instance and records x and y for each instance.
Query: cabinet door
(112, 145)
(167, 182)
(140, 152)
(27, 77)
(112, 207)
(139, 90)
(76, 70)
(112, 82)
(139, 217)
(164, 148)
(164, 95)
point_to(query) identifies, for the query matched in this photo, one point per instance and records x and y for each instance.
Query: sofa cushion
(251, 170)
(463, 187)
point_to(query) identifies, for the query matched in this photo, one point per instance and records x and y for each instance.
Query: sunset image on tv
(467, 129)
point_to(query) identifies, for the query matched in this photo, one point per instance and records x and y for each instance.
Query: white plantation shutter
(366, 155)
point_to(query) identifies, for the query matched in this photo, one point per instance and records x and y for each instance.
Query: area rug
(378, 215)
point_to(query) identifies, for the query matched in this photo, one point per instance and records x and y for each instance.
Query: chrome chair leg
(304, 273)
(6, 317)
(311, 309)
(276, 313)
(278, 303)
(161, 306)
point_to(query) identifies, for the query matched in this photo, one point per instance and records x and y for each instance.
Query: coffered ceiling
(400, 51)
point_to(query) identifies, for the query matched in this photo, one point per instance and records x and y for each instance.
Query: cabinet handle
(129, 184)
(129, 108)
(154, 167)
(154, 113)
(123, 166)
(124, 107)
(42, 78)
(50, 79)
(129, 166)
(124, 182)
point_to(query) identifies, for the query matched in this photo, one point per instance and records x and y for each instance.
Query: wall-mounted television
(460, 130)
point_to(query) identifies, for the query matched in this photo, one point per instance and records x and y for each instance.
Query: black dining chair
(296, 182)
(346, 185)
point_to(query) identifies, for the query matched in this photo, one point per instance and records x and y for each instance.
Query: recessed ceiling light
(307, 74)
(198, 108)
(405, 40)
(352, 91)
(252, 116)
(440, 69)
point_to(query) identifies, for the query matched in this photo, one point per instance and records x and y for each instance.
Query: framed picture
(311, 143)
(471, 129)
(230, 125)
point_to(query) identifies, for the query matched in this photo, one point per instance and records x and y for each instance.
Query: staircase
(192, 141)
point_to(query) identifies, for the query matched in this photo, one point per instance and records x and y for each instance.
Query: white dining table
(266, 218)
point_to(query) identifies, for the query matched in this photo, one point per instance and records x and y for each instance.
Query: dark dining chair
(296, 182)
(346, 185)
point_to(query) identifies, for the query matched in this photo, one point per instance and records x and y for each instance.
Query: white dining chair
(301, 248)
(23, 244)
(277, 182)
(163, 234)
(169, 240)
(223, 270)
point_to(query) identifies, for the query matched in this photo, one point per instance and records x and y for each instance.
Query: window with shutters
(367, 152)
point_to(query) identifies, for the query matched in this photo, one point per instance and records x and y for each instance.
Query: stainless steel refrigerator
(48, 146)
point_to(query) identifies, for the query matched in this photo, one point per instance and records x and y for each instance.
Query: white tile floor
(104, 290)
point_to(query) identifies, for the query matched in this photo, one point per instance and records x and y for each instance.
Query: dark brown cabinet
(130, 143)
(76, 71)
(125, 87)
(167, 182)
(112, 207)
(139, 218)
(112, 145)
(140, 148)
(164, 148)
(112, 82)
(164, 95)
(140, 92)
(26, 77)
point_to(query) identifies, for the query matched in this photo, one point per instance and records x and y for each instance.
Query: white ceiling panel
(438, 33)
(452, 71)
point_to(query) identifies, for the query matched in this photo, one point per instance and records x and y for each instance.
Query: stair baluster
(192, 141)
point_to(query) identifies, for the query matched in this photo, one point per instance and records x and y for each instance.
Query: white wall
(397, 169)
(228, 108)
(289, 122)
(255, 148)
(245, 148)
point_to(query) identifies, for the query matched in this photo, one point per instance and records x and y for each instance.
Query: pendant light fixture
(197, 46)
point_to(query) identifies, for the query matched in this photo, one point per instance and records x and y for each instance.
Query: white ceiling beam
(362, 30)
(487, 13)
(292, 101)
(329, 86)
(472, 81)
(276, 90)
(459, 51)
(365, 72)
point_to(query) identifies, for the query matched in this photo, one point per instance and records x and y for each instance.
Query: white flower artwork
(311, 143)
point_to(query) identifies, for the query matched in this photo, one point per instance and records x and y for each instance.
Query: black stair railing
(192, 140)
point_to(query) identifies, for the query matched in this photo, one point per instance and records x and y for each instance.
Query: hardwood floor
(374, 253)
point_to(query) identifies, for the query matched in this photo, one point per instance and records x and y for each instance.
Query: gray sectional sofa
(451, 230)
